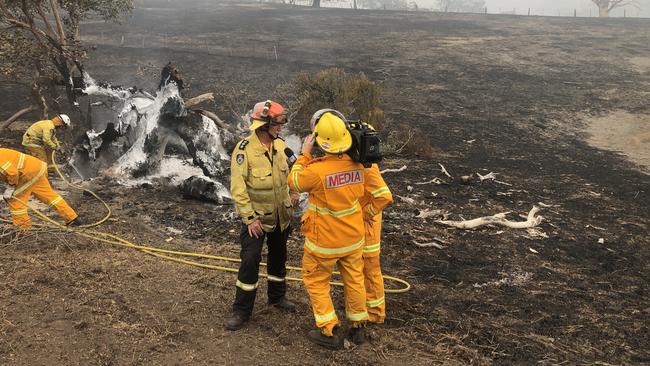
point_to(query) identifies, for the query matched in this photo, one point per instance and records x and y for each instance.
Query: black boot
(358, 335)
(333, 342)
(236, 321)
(78, 222)
(284, 305)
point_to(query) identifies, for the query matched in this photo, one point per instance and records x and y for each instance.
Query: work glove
(7, 194)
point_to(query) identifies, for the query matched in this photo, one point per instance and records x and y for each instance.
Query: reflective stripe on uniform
(275, 279)
(355, 317)
(18, 212)
(380, 192)
(323, 318)
(321, 250)
(294, 176)
(6, 166)
(32, 181)
(261, 192)
(56, 201)
(245, 286)
(371, 248)
(34, 145)
(340, 213)
(372, 210)
(375, 303)
(268, 228)
(21, 161)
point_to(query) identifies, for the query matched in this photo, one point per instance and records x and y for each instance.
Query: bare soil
(504, 94)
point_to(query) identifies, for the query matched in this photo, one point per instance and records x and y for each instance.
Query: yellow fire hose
(161, 253)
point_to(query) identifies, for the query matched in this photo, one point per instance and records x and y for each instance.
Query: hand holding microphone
(290, 156)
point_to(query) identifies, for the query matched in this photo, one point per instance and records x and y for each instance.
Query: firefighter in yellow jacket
(374, 281)
(40, 138)
(334, 226)
(27, 176)
(258, 184)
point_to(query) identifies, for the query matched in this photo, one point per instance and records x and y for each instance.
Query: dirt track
(503, 94)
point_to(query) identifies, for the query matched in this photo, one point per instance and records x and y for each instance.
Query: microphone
(291, 156)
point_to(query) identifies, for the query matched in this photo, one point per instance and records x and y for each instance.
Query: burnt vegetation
(475, 93)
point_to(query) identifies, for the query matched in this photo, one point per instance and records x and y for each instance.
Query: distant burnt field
(510, 95)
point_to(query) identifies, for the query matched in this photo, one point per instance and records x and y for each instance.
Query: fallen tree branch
(490, 176)
(498, 219)
(436, 181)
(493, 177)
(16, 115)
(429, 245)
(408, 200)
(442, 169)
(199, 99)
(215, 118)
(426, 213)
(403, 168)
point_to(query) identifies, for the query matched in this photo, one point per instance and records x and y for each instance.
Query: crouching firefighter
(333, 227)
(27, 175)
(40, 138)
(258, 184)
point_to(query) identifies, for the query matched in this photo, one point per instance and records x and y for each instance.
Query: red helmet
(267, 112)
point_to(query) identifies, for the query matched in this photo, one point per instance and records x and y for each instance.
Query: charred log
(205, 189)
(169, 74)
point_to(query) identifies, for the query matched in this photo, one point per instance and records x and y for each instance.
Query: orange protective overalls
(374, 281)
(28, 175)
(334, 233)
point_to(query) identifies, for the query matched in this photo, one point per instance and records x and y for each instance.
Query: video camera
(366, 145)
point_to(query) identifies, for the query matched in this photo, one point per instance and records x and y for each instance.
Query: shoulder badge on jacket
(243, 144)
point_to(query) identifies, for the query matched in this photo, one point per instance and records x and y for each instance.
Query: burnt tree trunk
(16, 115)
(603, 11)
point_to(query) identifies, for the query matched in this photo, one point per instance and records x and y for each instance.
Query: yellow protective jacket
(371, 201)
(19, 170)
(333, 223)
(41, 134)
(258, 183)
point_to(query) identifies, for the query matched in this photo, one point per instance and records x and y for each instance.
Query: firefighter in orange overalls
(28, 175)
(333, 227)
(374, 281)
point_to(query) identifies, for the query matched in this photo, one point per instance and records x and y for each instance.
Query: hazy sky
(552, 7)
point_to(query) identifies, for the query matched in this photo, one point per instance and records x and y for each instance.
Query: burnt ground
(504, 94)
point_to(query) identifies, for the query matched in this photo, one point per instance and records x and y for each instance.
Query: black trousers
(248, 276)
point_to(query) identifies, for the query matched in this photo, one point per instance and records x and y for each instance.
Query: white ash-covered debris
(131, 133)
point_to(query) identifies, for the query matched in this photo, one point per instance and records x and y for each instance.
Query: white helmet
(65, 119)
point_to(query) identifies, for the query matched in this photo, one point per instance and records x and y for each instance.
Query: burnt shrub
(332, 88)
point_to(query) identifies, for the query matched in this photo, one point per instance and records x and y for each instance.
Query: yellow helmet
(332, 134)
(319, 113)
